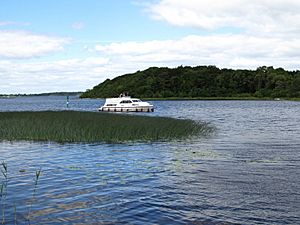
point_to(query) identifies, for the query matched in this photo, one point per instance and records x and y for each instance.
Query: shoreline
(173, 98)
(215, 99)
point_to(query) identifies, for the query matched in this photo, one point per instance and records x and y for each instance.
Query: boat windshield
(125, 102)
(136, 100)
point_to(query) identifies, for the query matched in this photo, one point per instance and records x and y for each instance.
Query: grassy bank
(72, 126)
(294, 99)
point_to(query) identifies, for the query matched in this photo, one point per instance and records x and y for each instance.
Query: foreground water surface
(247, 172)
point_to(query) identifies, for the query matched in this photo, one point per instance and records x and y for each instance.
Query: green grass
(73, 126)
(294, 99)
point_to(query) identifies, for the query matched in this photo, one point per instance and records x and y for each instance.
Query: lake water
(247, 172)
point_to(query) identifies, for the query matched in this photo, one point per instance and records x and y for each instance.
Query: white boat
(125, 103)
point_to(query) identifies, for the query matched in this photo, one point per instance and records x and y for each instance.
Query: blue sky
(72, 45)
(106, 20)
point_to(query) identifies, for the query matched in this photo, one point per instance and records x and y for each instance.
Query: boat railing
(124, 94)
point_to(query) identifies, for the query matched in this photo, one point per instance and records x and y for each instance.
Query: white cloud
(262, 16)
(230, 51)
(61, 75)
(21, 44)
(269, 32)
(221, 50)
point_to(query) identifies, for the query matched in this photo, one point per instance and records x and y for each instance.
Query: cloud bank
(49, 76)
(262, 16)
(22, 44)
(258, 32)
(235, 51)
(267, 34)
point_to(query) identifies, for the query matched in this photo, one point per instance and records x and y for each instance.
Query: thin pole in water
(68, 101)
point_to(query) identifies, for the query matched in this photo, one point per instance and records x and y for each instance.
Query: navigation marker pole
(68, 101)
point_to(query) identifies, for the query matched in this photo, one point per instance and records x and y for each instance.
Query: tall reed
(73, 126)
(3, 189)
(6, 206)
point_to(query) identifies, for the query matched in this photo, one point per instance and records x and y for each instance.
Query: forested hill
(202, 81)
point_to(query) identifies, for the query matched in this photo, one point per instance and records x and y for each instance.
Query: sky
(73, 45)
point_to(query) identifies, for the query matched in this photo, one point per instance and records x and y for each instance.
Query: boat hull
(127, 109)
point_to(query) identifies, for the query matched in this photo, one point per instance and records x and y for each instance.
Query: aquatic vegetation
(3, 188)
(74, 126)
(4, 170)
(37, 176)
(6, 204)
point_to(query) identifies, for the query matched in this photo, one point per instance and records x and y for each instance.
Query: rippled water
(248, 172)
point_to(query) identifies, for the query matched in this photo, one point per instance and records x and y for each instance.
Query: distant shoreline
(224, 99)
(215, 99)
(159, 99)
(208, 98)
(42, 94)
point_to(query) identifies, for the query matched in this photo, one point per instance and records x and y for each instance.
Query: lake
(246, 172)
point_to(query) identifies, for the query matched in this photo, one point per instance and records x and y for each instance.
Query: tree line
(202, 81)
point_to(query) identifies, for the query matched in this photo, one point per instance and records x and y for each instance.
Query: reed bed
(74, 126)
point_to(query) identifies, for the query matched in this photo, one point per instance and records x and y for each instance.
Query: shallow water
(247, 172)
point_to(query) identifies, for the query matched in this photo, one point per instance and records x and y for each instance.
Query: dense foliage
(71, 126)
(202, 81)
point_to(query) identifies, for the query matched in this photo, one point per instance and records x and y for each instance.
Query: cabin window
(136, 100)
(125, 102)
(111, 104)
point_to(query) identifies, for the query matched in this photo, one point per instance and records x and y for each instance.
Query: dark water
(248, 172)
